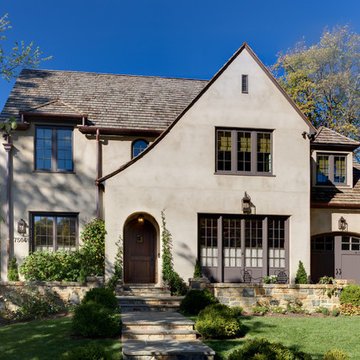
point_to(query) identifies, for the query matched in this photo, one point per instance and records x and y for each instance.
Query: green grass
(44, 340)
(314, 336)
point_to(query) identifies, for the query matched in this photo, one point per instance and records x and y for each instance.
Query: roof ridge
(113, 74)
(58, 100)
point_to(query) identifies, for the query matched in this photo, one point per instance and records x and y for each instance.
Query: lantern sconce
(246, 204)
(342, 224)
(21, 227)
(140, 219)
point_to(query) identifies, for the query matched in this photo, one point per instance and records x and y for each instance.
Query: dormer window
(138, 146)
(331, 169)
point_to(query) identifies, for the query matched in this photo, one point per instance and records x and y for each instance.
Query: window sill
(242, 174)
(331, 186)
(53, 172)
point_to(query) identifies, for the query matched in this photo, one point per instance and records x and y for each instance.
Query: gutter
(116, 131)
(337, 205)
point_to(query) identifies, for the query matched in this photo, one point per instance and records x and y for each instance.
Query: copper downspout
(8, 147)
(98, 172)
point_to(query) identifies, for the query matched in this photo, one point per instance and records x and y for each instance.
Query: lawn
(44, 340)
(312, 335)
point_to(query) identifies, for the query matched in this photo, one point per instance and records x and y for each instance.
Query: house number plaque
(21, 239)
(139, 239)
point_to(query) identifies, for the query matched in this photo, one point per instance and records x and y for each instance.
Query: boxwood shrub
(102, 296)
(94, 320)
(350, 295)
(218, 321)
(196, 300)
(262, 349)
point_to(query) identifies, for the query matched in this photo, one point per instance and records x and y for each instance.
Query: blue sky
(190, 39)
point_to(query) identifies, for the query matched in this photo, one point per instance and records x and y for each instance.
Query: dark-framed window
(330, 169)
(232, 244)
(138, 146)
(54, 231)
(54, 148)
(243, 151)
(244, 84)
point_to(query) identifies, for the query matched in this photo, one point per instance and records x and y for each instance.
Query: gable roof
(326, 136)
(112, 101)
(206, 87)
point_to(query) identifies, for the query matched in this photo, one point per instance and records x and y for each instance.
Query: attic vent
(244, 84)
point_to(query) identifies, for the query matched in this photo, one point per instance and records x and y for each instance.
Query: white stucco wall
(178, 174)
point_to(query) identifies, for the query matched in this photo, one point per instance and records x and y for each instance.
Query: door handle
(338, 271)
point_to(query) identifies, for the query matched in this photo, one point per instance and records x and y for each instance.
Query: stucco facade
(178, 175)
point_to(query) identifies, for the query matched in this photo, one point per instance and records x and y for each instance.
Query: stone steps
(160, 334)
(149, 303)
(141, 290)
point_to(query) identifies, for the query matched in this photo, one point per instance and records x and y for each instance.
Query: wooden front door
(139, 252)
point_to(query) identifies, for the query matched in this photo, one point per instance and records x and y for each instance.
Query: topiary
(197, 271)
(262, 349)
(102, 296)
(196, 300)
(13, 273)
(94, 320)
(335, 354)
(89, 352)
(301, 275)
(218, 321)
(350, 295)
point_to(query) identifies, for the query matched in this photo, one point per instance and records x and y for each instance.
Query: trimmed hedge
(218, 321)
(196, 300)
(350, 295)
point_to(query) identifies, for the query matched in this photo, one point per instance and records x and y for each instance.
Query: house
(227, 161)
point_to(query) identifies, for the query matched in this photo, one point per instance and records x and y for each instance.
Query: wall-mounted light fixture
(246, 204)
(21, 227)
(342, 224)
(140, 219)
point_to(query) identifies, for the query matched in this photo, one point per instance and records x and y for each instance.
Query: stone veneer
(68, 292)
(311, 296)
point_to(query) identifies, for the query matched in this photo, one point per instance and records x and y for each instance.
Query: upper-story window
(138, 146)
(330, 169)
(53, 149)
(244, 84)
(241, 151)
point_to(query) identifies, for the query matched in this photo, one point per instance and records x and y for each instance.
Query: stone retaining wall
(248, 295)
(12, 292)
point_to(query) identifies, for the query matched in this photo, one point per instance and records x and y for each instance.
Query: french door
(240, 248)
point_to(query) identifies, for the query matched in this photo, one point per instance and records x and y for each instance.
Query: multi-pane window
(330, 169)
(351, 243)
(322, 243)
(276, 243)
(53, 149)
(53, 232)
(232, 242)
(138, 146)
(253, 243)
(208, 242)
(243, 151)
(244, 84)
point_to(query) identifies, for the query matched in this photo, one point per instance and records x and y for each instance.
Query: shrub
(349, 309)
(295, 306)
(89, 352)
(13, 274)
(335, 354)
(262, 349)
(197, 271)
(326, 280)
(101, 296)
(176, 283)
(36, 306)
(301, 275)
(237, 310)
(52, 266)
(93, 249)
(335, 312)
(272, 279)
(260, 309)
(118, 266)
(350, 295)
(218, 321)
(94, 320)
(322, 310)
(277, 309)
(196, 300)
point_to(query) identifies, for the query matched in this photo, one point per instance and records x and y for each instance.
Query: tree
(20, 56)
(324, 80)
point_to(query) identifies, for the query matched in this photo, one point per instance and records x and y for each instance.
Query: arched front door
(139, 252)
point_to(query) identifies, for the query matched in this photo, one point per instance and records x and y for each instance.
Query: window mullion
(265, 247)
(242, 234)
(220, 248)
(331, 168)
(253, 152)
(54, 233)
(233, 150)
(53, 150)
